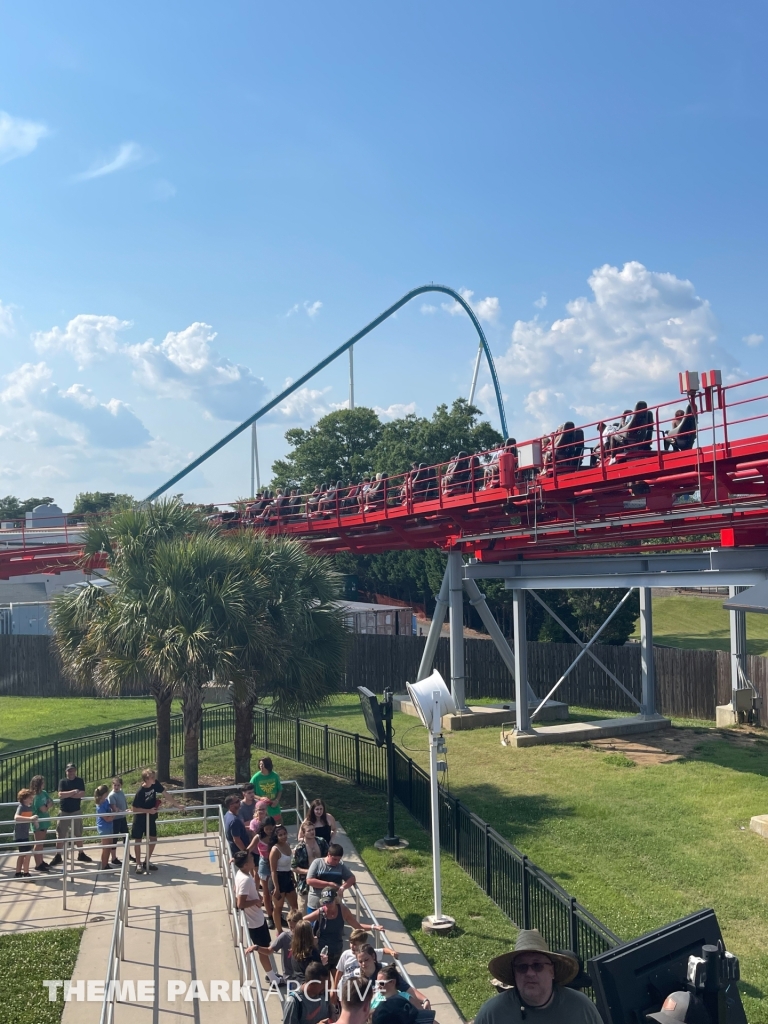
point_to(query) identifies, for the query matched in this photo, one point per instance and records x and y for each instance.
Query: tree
(12, 508)
(100, 631)
(337, 447)
(91, 502)
(301, 658)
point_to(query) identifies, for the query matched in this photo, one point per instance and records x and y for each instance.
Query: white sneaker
(273, 979)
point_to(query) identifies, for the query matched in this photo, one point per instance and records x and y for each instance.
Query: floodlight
(432, 699)
(372, 715)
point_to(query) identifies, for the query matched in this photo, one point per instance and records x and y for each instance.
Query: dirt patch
(669, 745)
(407, 869)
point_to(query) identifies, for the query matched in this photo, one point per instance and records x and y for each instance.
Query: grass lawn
(638, 846)
(28, 721)
(701, 622)
(24, 961)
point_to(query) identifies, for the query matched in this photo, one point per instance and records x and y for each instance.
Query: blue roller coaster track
(327, 361)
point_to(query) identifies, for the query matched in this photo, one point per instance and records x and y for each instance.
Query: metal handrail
(117, 944)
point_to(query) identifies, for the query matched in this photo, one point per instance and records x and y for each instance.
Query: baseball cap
(681, 1006)
(70, 765)
(327, 896)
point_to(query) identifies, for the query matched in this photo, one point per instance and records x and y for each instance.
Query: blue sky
(199, 202)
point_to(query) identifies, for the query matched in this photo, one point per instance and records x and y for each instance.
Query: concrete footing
(382, 844)
(434, 927)
(759, 824)
(481, 716)
(725, 716)
(580, 732)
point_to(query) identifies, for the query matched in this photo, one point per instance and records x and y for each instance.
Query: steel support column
(456, 618)
(479, 603)
(522, 716)
(738, 622)
(435, 628)
(648, 675)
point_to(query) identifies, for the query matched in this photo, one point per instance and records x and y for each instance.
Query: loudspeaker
(421, 695)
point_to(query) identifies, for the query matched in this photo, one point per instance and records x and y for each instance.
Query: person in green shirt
(42, 805)
(266, 784)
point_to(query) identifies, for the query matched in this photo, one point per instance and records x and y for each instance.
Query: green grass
(702, 622)
(28, 721)
(24, 961)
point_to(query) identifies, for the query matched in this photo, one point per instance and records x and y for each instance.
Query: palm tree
(96, 641)
(300, 666)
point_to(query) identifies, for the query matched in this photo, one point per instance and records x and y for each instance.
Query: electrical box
(529, 455)
(507, 469)
(689, 381)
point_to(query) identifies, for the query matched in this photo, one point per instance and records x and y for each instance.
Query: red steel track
(715, 494)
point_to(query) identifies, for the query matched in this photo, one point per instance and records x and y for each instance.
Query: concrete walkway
(178, 931)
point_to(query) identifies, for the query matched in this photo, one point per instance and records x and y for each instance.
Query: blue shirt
(235, 827)
(103, 827)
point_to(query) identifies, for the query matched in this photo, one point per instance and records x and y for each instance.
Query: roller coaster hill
(686, 474)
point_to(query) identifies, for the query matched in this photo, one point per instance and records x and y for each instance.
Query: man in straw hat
(538, 978)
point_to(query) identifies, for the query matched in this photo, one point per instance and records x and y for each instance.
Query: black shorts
(286, 882)
(139, 827)
(25, 847)
(260, 936)
(120, 826)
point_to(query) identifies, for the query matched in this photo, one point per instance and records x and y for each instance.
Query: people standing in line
(23, 820)
(355, 996)
(104, 819)
(247, 804)
(266, 784)
(324, 822)
(280, 857)
(304, 949)
(264, 834)
(235, 831)
(348, 964)
(281, 944)
(389, 981)
(329, 920)
(118, 801)
(328, 872)
(42, 805)
(71, 793)
(146, 804)
(307, 850)
(311, 1004)
(248, 900)
(538, 980)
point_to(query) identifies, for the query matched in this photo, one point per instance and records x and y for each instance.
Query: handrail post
(205, 817)
(146, 838)
(487, 838)
(526, 896)
(573, 932)
(64, 879)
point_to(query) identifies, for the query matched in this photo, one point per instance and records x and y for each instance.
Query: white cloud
(128, 153)
(86, 337)
(486, 309)
(185, 365)
(18, 137)
(6, 319)
(304, 406)
(753, 340)
(41, 413)
(626, 342)
(541, 302)
(292, 310)
(396, 411)
(313, 308)
(427, 308)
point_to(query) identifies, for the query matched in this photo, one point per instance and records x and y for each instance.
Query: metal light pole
(351, 376)
(255, 484)
(388, 709)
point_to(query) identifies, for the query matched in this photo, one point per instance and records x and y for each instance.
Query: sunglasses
(537, 967)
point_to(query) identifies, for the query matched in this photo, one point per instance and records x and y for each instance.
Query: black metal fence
(525, 893)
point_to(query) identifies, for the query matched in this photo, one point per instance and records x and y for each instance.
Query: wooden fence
(689, 683)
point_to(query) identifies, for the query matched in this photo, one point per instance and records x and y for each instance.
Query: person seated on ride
(275, 511)
(378, 493)
(316, 499)
(681, 437)
(639, 431)
(568, 449)
(293, 506)
(362, 493)
(420, 482)
(431, 490)
(327, 503)
(349, 502)
(614, 441)
(408, 489)
(491, 470)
